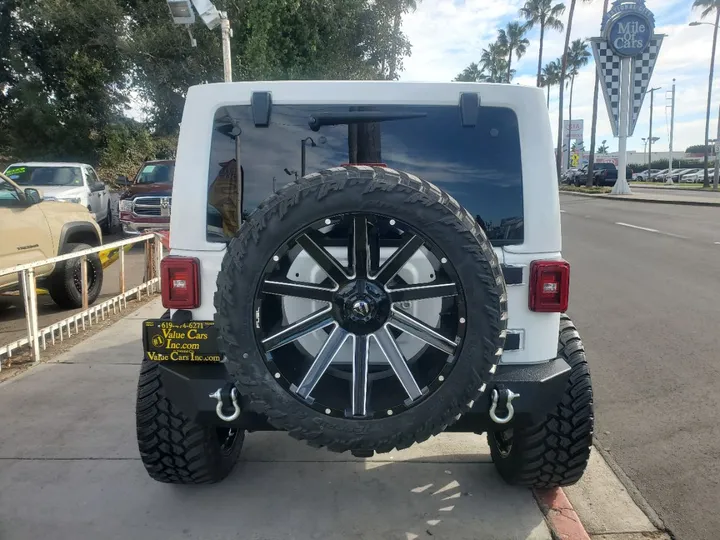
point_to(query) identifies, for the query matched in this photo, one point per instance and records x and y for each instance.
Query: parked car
(645, 175)
(681, 175)
(697, 176)
(146, 200)
(658, 176)
(34, 229)
(68, 182)
(569, 176)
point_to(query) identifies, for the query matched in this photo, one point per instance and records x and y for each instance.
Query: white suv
(365, 265)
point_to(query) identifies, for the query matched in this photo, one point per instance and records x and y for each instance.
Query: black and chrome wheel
(361, 309)
(360, 299)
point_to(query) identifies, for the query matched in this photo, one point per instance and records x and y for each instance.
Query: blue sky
(449, 34)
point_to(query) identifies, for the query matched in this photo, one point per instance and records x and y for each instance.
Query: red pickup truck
(146, 200)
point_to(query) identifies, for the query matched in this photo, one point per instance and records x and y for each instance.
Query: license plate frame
(193, 341)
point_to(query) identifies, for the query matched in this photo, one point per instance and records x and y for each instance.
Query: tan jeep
(33, 229)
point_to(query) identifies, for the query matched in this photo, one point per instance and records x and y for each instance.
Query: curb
(560, 515)
(642, 200)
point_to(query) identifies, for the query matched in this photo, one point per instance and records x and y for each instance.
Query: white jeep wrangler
(364, 265)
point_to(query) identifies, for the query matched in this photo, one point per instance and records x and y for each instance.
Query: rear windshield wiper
(357, 117)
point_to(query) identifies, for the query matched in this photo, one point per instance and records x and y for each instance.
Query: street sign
(573, 130)
(625, 56)
(608, 66)
(642, 70)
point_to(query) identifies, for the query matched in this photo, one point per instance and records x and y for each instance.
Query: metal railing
(37, 338)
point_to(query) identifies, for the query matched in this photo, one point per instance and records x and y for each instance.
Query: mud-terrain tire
(173, 448)
(351, 190)
(556, 451)
(63, 284)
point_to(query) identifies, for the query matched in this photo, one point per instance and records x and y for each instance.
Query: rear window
(609, 166)
(156, 173)
(24, 175)
(480, 166)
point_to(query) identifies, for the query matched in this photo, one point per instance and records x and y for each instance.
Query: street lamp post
(706, 179)
(183, 14)
(650, 136)
(716, 176)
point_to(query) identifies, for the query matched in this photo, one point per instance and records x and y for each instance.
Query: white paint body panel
(539, 331)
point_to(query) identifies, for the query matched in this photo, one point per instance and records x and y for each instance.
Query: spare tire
(361, 309)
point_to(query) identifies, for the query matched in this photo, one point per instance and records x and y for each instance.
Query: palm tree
(593, 125)
(708, 7)
(578, 56)
(550, 77)
(493, 61)
(513, 40)
(401, 7)
(604, 148)
(563, 71)
(545, 15)
(472, 73)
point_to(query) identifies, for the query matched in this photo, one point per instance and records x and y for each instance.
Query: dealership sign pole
(625, 57)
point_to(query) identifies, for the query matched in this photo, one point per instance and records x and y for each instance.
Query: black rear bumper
(540, 388)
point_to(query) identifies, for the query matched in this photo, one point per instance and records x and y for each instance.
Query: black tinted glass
(479, 166)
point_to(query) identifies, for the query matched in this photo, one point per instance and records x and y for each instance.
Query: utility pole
(717, 156)
(650, 137)
(672, 128)
(226, 35)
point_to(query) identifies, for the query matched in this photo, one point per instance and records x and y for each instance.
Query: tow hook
(226, 396)
(502, 398)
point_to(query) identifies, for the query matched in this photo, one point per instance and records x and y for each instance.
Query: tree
(699, 149)
(545, 15)
(578, 56)
(551, 76)
(512, 40)
(593, 123)
(401, 7)
(563, 71)
(491, 68)
(708, 6)
(492, 60)
(67, 67)
(472, 73)
(63, 79)
(604, 148)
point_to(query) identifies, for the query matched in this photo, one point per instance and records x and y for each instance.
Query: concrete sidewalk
(673, 197)
(70, 470)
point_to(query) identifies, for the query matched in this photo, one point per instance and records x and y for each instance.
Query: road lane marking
(636, 227)
(562, 211)
(648, 229)
(718, 243)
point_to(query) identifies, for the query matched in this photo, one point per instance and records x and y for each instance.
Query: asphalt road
(645, 294)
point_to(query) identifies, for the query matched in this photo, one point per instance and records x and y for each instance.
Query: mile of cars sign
(628, 33)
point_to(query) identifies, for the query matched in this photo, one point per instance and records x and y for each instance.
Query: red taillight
(180, 282)
(549, 286)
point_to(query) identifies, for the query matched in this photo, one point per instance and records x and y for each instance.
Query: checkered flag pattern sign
(642, 70)
(608, 66)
